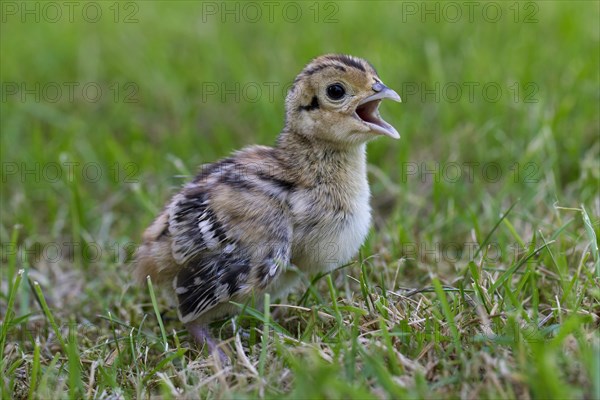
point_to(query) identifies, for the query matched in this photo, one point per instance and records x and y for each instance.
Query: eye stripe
(314, 104)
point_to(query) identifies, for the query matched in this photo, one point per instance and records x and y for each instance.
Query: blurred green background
(184, 83)
(108, 107)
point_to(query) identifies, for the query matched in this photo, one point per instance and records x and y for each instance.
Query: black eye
(335, 91)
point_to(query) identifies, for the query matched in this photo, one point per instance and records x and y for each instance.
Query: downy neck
(318, 162)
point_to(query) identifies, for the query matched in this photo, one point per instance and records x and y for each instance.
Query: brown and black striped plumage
(236, 229)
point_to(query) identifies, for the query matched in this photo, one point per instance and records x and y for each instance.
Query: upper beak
(368, 110)
(384, 92)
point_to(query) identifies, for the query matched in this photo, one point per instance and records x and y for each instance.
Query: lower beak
(368, 111)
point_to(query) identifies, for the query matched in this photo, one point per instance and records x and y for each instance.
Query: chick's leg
(202, 336)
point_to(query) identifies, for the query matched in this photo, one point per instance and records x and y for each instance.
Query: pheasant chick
(238, 227)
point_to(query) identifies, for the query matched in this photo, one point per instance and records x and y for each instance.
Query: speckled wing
(230, 240)
(193, 227)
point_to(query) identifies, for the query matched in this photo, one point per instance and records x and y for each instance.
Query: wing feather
(223, 259)
(193, 227)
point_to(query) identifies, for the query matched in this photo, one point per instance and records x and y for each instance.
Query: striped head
(336, 98)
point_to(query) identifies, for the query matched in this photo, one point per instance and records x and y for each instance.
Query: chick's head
(336, 98)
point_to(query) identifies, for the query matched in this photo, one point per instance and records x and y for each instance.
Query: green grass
(472, 284)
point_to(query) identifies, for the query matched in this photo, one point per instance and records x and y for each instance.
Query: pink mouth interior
(368, 112)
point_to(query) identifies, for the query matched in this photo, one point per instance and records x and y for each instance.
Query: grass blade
(12, 258)
(157, 313)
(334, 303)
(35, 370)
(589, 229)
(75, 383)
(508, 273)
(40, 295)
(178, 354)
(489, 235)
(265, 335)
(447, 313)
(9, 314)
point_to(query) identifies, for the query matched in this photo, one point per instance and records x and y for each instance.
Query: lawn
(479, 279)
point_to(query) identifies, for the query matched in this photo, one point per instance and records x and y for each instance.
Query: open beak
(368, 111)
